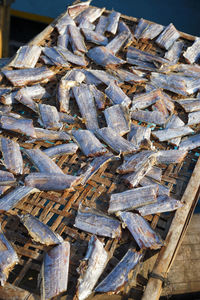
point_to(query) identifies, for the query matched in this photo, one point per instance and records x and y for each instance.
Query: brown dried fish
(13, 292)
(12, 157)
(171, 133)
(155, 117)
(49, 116)
(192, 53)
(26, 57)
(168, 37)
(23, 126)
(113, 20)
(116, 95)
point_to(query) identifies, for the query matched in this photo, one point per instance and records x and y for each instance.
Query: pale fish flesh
(101, 25)
(49, 116)
(6, 178)
(26, 57)
(152, 31)
(51, 135)
(190, 143)
(71, 57)
(194, 118)
(155, 117)
(175, 122)
(171, 133)
(76, 40)
(144, 100)
(171, 156)
(23, 126)
(55, 56)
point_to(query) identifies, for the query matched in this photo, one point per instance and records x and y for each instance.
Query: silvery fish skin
(4, 91)
(6, 178)
(95, 165)
(121, 274)
(141, 65)
(134, 53)
(55, 270)
(28, 76)
(164, 204)
(27, 101)
(101, 25)
(49, 116)
(90, 14)
(74, 75)
(51, 182)
(63, 149)
(88, 143)
(118, 119)
(9, 98)
(46, 60)
(67, 118)
(86, 24)
(26, 57)
(63, 40)
(42, 162)
(86, 104)
(192, 53)
(116, 95)
(115, 141)
(168, 37)
(96, 222)
(141, 231)
(23, 126)
(12, 157)
(152, 31)
(162, 190)
(190, 143)
(144, 100)
(175, 122)
(63, 94)
(194, 118)
(76, 40)
(8, 258)
(94, 37)
(135, 162)
(160, 107)
(155, 117)
(174, 53)
(11, 199)
(189, 70)
(39, 231)
(71, 57)
(122, 27)
(171, 133)
(190, 104)
(140, 136)
(76, 9)
(103, 57)
(91, 268)
(171, 156)
(126, 76)
(155, 173)
(141, 26)
(113, 20)
(133, 198)
(34, 92)
(62, 24)
(51, 135)
(100, 97)
(104, 76)
(117, 42)
(55, 56)
(90, 78)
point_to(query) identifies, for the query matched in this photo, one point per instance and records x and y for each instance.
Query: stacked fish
(96, 56)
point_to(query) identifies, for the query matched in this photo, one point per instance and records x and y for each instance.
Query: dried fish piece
(103, 57)
(55, 270)
(34, 92)
(39, 231)
(23, 126)
(152, 31)
(122, 27)
(49, 116)
(26, 57)
(115, 141)
(90, 14)
(63, 40)
(104, 76)
(51, 135)
(168, 134)
(189, 104)
(168, 37)
(164, 203)
(171, 156)
(140, 136)
(127, 76)
(58, 150)
(192, 53)
(6, 178)
(76, 40)
(120, 275)
(117, 42)
(141, 65)
(66, 118)
(117, 118)
(141, 26)
(174, 53)
(63, 23)
(75, 9)
(162, 190)
(27, 101)
(46, 60)
(141, 231)
(51, 181)
(55, 56)
(91, 267)
(113, 20)
(102, 25)
(132, 199)
(12, 157)
(88, 143)
(155, 173)
(74, 75)
(94, 37)
(11, 199)
(194, 118)
(42, 162)
(100, 97)
(155, 117)
(28, 76)
(4, 91)
(8, 258)
(71, 57)
(145, 99)
(134, 53)
(190, 143)
(86, 24)
(175, 122)
(96, 222)
(116, 95)
(188, 70)
(86, 104)
(160, 107)
(63, 94)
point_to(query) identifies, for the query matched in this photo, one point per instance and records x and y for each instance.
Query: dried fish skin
(86, 104)
(76, 9)
(175, 122)
(103, 57)
(23, 126)
(155, 117)
(134, 53)
(168, 37)
(34, 92)
(127, 76)
(51, 135)
(117, 42)
(51, 181)
(91, 267)
(10, 200)
(42, 161)
(3, 92)
(96, 222)
(194, 118)
(6, 178)
(86, 24)
(55, 270)
(141, 65)
(122, 27)
(144, 100)
(140, 229)
(66, 118)
(12, 157)
(174, 53)
(94, 37)
(171, 156)
(88, 143)
(133, 198)
(8, 258)
(155, 173)
(74, 75)
(39, 231)
(76, 40)
(171, 133)
(55, 56)
(63, 41)
(99, 97)
(58, 150)
(188, 70)
(101, 25)
(26, 57)
(28, 76)
(49, 116)
(141, 26)
(164, 204)
(152, 31)
(118, 277)
(140, 136)
(116, 95)
(160, 107)
(46, 60)
(192, 53)
(162, 190)
(27, 101)
(104, 76)
(71, 57)
(118, 119)
(115, 141)
(190, 143)
(90, 14)
(190, 104)
(113, 20)
(63, 23)
(63, 95)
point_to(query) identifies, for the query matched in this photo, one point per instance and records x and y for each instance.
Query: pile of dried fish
(93, 62)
